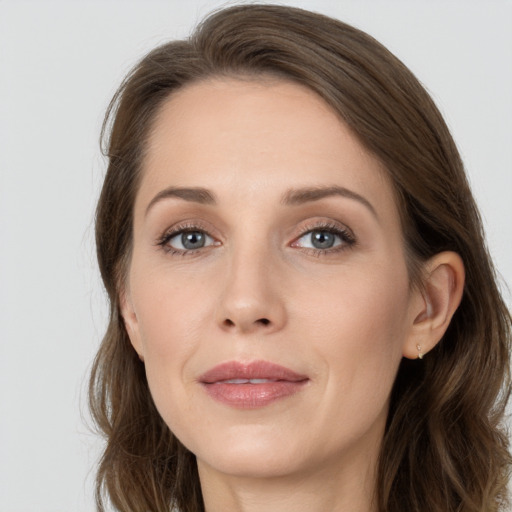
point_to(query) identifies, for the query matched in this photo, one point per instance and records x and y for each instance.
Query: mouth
(251, 385)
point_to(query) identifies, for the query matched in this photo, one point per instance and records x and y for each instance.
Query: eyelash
(163, 241)
(348, 240)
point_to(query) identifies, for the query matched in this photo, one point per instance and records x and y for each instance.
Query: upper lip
(252, 370)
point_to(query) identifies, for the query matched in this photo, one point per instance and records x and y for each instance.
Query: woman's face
(268, 292)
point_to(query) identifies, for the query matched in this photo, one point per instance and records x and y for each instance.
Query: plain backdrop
(60, 63)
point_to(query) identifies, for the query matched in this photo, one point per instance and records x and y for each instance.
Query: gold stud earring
(420, 354)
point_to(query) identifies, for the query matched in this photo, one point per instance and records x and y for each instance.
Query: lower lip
(252, 396)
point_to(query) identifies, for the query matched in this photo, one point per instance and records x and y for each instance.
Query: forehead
(245, 136)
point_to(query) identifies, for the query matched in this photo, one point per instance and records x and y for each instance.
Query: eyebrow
(292, 197)
(306, 195)
(192, 194)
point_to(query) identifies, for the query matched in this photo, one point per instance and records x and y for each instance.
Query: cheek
(168, 306)
(170, 326)
(171, 317)
(372, 301)
(360, 323)
(358, 326)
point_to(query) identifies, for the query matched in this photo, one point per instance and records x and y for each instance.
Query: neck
(337, 488)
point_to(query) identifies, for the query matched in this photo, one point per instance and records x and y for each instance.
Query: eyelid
(183, 227)
(346, 235)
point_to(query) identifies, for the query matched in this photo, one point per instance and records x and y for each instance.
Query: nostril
(261, 321)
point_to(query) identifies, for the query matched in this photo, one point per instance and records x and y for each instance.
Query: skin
(259, 290)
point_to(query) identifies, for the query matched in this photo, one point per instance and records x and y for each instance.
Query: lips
(251, 385)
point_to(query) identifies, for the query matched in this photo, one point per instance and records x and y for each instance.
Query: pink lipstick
(251, 385)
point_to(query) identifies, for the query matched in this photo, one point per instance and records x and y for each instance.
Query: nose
(251, 299)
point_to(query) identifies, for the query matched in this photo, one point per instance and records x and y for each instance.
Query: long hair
(444, 447)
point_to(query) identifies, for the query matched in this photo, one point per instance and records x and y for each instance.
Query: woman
(303, 312)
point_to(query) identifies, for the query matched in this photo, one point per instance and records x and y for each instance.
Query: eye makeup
(317, 238)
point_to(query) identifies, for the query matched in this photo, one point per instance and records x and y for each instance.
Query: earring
(420, 354)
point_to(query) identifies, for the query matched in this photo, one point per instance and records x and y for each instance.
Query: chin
(248, 464)
(251, 455)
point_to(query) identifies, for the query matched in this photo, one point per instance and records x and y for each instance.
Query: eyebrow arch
(291, 197)
(305, 195)
(193, 194)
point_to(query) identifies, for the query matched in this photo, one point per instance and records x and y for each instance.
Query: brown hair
(444, 446)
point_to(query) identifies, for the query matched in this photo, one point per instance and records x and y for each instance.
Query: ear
(434, 305)
(130, 322)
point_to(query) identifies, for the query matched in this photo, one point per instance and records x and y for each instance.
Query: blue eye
(188, 240)
(324, 239)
